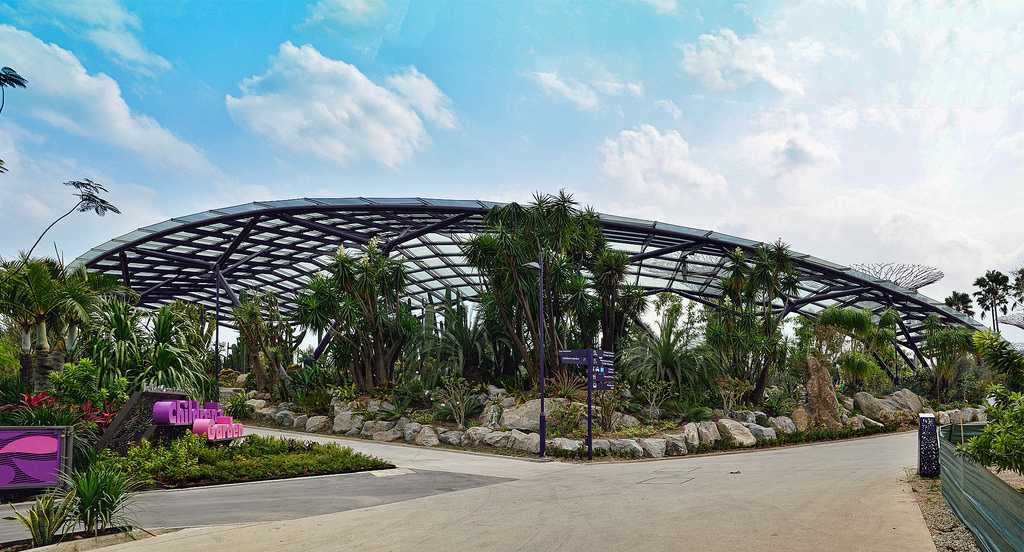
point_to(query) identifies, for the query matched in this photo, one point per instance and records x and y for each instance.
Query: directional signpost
(600, 377)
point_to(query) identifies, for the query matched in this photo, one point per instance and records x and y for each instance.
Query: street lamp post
(539, 265)
(543, 415)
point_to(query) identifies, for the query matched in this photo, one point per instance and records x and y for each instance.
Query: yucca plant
(99, 497)
(50, 516)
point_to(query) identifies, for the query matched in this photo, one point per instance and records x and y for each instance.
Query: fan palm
(9, 78)
(993, 295)
(961, 301)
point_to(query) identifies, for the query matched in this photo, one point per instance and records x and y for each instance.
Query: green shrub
(99, 496)
(49, 517)
(344, 393)
(79, 383)
(236, 407)
(567, 420)
(457, 394)
(1001, 443)
(779, 402)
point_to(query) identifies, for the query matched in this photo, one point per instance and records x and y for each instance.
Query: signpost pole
(590, 403)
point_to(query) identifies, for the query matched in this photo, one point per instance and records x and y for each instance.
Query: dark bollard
(927, 446)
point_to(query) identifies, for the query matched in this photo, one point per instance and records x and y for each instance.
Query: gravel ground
(948, 533)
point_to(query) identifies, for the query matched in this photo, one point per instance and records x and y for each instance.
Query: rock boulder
(782, 424)
(822, 406)
(736, 433)
(427, 437)
(761, 434)
(675, 445)
(526, 442)
(316, 424)
(708, 433)
(691, 436)
(626, 447)
(653, 448)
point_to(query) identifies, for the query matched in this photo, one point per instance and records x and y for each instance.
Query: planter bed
(190, 462)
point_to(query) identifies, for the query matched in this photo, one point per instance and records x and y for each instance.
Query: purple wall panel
(30, 457)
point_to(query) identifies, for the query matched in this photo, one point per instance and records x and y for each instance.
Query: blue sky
(856, 131)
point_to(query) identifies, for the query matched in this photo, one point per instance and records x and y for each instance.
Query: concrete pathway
(281, 499)
(845, 496)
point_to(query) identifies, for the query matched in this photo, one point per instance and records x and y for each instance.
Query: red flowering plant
(37, 400)
(99, 416)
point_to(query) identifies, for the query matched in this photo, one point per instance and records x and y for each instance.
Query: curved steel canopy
(275, 246)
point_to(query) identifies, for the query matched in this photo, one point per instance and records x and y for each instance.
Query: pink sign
(208, 420)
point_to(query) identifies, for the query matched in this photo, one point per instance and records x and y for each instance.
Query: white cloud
(64, 95)
(724, 61)
(579, 94)
(423, 95)
(651, 165)
(310, 103)
(669, 107)
(108, 25)
(346, 12)
(662, 6)
(585, 95)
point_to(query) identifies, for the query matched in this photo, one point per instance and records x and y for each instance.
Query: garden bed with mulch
(948, 533)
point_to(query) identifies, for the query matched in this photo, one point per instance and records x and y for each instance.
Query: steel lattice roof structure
(211, 257)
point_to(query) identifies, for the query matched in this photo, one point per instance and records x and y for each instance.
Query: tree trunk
(44, 340)
(26, 360)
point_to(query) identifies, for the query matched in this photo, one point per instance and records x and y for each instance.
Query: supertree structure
(910, 276)
(1013, 319)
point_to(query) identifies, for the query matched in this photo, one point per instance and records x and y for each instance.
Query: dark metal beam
(424, 230)
(173, 257)
(241, 237)
(126, 276)
(325, 229)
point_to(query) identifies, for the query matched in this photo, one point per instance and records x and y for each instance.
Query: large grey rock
(602, 446)
(375, 405)
(907, 400)
(782, 424)
(955, 417)
(410, 430)
(289, 406)
(854, 423)
(942, 417)
(526, 442)
(626, 447)
(373, 426)
(760, 418)
(474, 436)
(675, 445)
(267, 413)
(495, 392)
(400, 424)
(256, 404)
(565, 445)
(387, 435)
(868, 422)
(299, 422)
(982, 415)
(736, 433)
(969, 415)
(427, 437)
(622, 419)
(285, 418)
(902, 406)
(761, 434)
(316, 424)
(847, 402)
(497, 439)
(743, 416)
(653, 448)
(343, 420)
(453, 438)
(526, 417)
(691, 436)
(708, 433)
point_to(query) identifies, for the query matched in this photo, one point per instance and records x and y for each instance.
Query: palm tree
(961, 301)
(669, 352)
(9, 78)
(88, 194)
(993, 295)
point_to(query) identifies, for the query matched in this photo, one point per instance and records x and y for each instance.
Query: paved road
(846, 496)
(282, 499)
